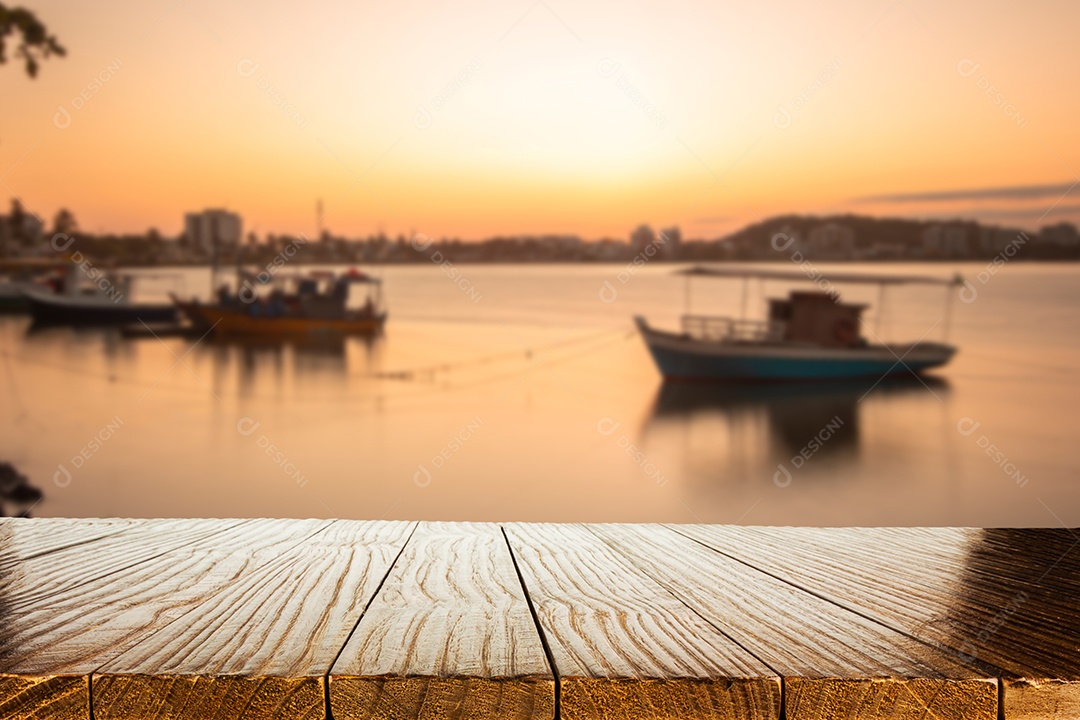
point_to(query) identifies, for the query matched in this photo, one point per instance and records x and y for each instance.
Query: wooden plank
(625, 647)
(448, 636)
(49, 647)
(44, 556)
(56, 564)
(835, 663)
(25, 538)
(1010, 598)
(261, 646)
(44, 697)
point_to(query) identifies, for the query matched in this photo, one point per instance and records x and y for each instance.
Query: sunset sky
(477, 117)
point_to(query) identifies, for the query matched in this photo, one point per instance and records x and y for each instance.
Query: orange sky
(478, 117)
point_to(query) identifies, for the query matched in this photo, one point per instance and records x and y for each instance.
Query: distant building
(994, 240)
(1063, 234)
(881, 250)
(566, 242)
(170, 252)
(610, 250)
(945, 240)
(642, 238)
(670, 239)
(212, 229)
(830, 241)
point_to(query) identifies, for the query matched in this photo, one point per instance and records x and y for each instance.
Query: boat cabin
(817, 318)
(316, 294)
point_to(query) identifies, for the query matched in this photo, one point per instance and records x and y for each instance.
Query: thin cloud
(1034, 213)
(1017, 192)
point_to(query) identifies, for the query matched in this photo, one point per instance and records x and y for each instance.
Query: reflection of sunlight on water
(540, 362)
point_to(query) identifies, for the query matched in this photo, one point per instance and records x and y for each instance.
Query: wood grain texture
(448, 636)
(25, 538)
(53, 563)
(207, 697)
(44, 698)
(624, 646)
(185, 619)
(49, 647)
(894, 698)
(1007, 599)
(1041, 699)
(835, 663)
(260, 645)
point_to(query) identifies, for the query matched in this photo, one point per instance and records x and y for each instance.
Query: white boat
(20, 274)
(807, 336)
(101, 299)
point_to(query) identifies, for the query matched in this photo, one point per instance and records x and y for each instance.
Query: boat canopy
(350, 276)
(799, 276)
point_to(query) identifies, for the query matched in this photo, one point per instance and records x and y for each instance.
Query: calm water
(523, 396)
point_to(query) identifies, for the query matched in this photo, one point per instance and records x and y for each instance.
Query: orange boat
(283, 306)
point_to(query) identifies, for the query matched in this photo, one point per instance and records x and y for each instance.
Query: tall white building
(671, 238)
(213, 228)
(642, 238)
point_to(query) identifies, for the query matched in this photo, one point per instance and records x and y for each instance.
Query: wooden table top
(176, 619)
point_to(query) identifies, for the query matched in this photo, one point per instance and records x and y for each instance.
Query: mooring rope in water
(544, 364)
(112, 377)
(423, 395)
(525, 353)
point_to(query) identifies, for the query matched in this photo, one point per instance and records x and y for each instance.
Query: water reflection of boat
(327, 345)
(808, 335)
(677, 399)
(288, 306)
(274, 362)
(793, 413)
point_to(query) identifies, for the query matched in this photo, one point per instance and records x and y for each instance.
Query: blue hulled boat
(807, 336)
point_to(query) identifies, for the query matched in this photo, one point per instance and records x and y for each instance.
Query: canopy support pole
(948, 313)
(745, 288)
(879, 323)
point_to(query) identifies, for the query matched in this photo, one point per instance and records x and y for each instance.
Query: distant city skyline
(217, 234)
(487, 120)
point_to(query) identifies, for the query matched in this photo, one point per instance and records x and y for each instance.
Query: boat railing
(716, 328)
